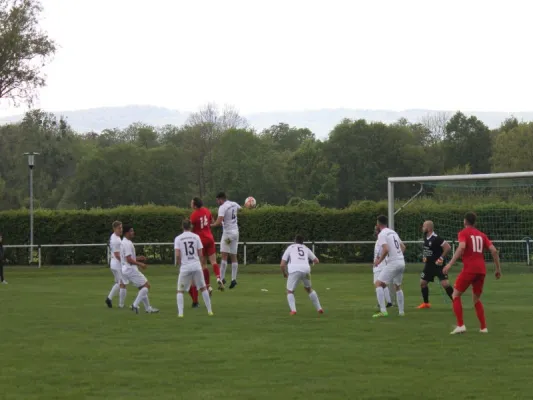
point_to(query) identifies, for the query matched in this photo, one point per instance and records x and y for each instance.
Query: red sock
(458, 310)
(216, 270)
(193, 291)
(206, 276)
(481, 314)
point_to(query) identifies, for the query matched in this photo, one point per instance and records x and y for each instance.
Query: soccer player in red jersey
(202, 219)
(472, 242)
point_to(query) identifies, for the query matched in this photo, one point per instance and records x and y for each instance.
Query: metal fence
(522, 255)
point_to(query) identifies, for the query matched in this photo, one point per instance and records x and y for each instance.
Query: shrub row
(162, 224)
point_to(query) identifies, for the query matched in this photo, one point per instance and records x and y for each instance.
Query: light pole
(31, 164)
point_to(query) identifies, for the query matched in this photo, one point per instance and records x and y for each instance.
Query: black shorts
(431, 271)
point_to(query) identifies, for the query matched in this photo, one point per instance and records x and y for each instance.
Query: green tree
(513, 149)
(24, 50)
(467, 141)
(287, 138)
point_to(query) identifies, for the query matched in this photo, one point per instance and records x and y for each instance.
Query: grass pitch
(58, 340)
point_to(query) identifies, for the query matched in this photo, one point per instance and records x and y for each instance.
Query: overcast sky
(279, 55)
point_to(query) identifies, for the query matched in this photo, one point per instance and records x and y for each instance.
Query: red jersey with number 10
(201, 223)
(473, 257)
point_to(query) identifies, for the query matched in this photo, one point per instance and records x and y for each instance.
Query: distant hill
(319, 121)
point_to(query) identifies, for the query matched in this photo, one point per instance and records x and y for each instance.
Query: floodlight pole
(31, 164)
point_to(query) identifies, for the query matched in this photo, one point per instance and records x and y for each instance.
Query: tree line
(217, 150)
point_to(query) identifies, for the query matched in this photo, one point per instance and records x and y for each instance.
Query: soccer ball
(249, 202)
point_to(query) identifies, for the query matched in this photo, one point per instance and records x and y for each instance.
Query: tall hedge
(162, 224)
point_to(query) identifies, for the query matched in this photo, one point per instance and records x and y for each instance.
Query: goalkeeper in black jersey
(435, 251)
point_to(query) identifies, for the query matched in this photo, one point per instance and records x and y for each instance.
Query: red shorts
(465, 279)
(209, 247)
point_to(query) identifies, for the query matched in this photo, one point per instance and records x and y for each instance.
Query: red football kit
(474, 269)
(201, 222)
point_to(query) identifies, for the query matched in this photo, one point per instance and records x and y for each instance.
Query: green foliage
(24, 49)
(265, 224)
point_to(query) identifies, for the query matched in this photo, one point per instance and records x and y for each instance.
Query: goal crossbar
(422, 179)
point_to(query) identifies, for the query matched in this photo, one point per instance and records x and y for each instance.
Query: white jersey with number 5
(229, 210)
(298, 256)
(188, 244)
(392, 240)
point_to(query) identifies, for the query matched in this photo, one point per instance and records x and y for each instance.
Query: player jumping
(392, 249)
(227, 217)
(295, 267)
(435, 250)
(472, 242)
(201, 220)
(188, 247)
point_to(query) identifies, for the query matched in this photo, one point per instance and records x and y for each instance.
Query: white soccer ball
(250, 202)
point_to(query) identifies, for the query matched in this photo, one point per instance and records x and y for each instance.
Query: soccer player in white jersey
(295, 267)
(131, 273)
(392, 249)
(115, 242)
(377, 270)
(188, 248)
(227, 217)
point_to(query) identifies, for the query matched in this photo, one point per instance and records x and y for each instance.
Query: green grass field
(58, 340)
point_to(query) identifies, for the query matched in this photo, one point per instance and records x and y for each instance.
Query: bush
(264, 224)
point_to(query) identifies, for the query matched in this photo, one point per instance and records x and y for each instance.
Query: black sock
(425, 294)
(449, 291)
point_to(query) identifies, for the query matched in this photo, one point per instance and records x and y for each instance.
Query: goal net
(503, 204)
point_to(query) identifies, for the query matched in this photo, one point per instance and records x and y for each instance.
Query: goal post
(503, 202)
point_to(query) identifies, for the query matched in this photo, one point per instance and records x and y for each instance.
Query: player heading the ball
(295, 267)
(392, 249)
(188, 248)
(472, 243)
(227, 217)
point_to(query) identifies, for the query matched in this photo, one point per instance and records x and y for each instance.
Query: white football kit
(298, 256)
(230, 235)
(377, 270)
(115, 243)
(131, 273)
(189, 244)
(394, 266)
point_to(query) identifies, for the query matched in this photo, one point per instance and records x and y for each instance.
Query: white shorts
(296, 277)
(133, 275)
(392, 273)
(186, 278)
(377, 271)
(117, 273)
(229, 242)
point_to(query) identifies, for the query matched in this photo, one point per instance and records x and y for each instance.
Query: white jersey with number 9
(392, 240)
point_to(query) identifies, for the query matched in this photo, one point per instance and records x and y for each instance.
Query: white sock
(223, 266)
(234, 269)
(387, 295)
(180, 303)
(113, 291)
(292, 301)
(207, 301)
(146, 303)
(314, 298)
(380, 293)
(143, 292)
(400, 300)
(122, 297)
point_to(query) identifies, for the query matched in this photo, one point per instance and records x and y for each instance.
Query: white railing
(525, 241)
